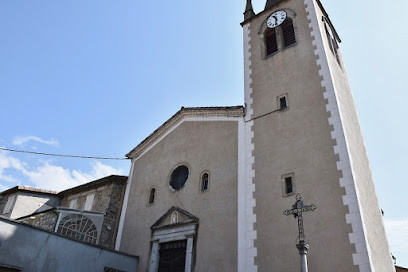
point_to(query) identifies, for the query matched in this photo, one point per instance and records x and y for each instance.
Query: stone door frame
(172, 233)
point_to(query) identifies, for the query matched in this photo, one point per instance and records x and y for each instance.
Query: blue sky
(96, 77)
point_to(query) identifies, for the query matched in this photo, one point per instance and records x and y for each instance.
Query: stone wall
(45, 220)
(108, 198)
(111, 220)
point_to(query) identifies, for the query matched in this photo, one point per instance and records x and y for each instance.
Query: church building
(207, 189)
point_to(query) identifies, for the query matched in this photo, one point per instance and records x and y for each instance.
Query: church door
(172, 256)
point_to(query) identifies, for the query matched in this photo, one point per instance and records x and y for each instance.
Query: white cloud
(100, 170)
(22, 140)
(49, 176)
(397, 231)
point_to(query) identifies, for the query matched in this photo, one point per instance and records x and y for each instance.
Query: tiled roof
(83, 187)
(27, 189)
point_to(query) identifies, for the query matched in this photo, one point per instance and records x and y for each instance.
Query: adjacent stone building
(21, 201)
(100, 201)
(89, 212)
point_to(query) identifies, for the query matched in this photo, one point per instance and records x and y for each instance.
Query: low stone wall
(31, 249)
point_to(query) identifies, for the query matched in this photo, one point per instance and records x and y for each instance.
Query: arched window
(277, 38)
(152, 194)
(270, 41)
(78, 227)
(204, 182)
(288, 32)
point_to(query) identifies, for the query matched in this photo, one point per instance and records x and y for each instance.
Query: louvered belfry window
(270, 41)
(288, 33)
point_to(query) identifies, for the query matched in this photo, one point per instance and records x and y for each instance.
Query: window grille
(78, 227)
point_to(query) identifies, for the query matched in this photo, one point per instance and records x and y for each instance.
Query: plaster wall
(35, 250)
(297, 140)
(29, 203)
(3, 204)
(361, 196)
(203, 146)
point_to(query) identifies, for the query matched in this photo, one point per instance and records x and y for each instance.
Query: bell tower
(302, 136)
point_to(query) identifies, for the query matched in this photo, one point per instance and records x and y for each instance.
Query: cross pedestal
(303, 248)
(297, 211)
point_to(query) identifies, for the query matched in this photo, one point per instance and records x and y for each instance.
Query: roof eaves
(228, 111)
(28, 189)
(93, 184)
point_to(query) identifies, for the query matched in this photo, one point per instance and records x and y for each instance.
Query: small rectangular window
(288, 185)
(73, 204)
(282, 102)
(88, 202)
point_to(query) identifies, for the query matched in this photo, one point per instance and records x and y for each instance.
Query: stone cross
(297, 211)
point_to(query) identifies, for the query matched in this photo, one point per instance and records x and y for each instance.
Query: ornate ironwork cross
(297, 211)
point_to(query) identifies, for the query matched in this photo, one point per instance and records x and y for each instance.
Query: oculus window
(179, 177)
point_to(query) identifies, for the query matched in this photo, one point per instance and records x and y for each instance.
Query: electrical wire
(61, 155)
(263, 115)
(103, 158)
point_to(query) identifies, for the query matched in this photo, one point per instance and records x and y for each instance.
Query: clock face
(277, 18)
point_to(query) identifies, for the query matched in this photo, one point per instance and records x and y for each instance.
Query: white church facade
(207, 189)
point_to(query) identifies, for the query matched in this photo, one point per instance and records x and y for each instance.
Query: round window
(179, 177)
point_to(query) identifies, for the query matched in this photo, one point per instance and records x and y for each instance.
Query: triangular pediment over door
(176, 225)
